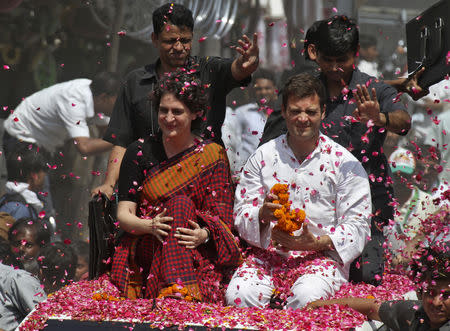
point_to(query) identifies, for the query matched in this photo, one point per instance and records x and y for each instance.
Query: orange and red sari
(194, 185)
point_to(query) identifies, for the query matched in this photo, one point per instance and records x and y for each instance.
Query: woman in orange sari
(175, 203)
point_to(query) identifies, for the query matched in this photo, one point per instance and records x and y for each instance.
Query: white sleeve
(353, 210)
(250, 195)
(73, 113)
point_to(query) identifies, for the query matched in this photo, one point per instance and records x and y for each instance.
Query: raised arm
(248, 60)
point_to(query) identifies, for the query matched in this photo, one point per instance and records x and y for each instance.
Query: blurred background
(43, 42)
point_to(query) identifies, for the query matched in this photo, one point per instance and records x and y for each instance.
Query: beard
(31, 266)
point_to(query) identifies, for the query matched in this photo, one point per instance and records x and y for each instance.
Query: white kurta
(330, 185)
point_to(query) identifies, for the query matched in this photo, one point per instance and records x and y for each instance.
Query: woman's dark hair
(186, 88)
(42, 234)
(304, 85)
(336, 36)
(173, 13)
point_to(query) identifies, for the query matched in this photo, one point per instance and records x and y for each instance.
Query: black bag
(428, 41)
(103, 233)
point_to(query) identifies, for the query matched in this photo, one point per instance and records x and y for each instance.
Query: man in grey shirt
(19, 290)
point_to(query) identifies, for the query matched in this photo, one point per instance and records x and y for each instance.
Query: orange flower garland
(175, 291)
(288, 220)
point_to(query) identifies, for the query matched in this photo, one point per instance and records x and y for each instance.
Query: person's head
(334, 47)
(264, 88)
(27, 237)
(428, 166)
(303, 106)
(368, 47)
(180, 101)
(27, 165)
(105, 87)
(430, 271)
(402, 164)
(57, 264)
(81, 249)
(173, 27)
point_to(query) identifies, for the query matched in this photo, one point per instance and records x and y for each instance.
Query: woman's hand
(157, 225)
(191, 238)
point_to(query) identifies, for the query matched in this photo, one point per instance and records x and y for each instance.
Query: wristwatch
(207, 238)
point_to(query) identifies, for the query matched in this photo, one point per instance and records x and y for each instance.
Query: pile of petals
(76, 302)
(288, 220)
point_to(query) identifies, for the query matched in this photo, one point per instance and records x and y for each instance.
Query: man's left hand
(248, 60)
(368, 108)
(306, 241)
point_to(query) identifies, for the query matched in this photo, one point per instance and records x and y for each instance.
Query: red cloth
(207, 198)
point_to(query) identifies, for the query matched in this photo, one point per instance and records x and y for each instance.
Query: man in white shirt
(250, 118)
(60, 112)
(368, 55)
(326, 181)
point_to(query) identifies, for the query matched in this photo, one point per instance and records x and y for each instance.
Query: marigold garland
(175, 291)
(288, 220)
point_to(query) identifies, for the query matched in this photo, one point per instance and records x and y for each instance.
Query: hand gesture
(267, 209)
(157, 226)
(191, 238)
(106, 189)
(368, 107)
(249, 59)
(412, 87)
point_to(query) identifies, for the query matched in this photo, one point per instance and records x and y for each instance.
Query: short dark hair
(173, 13)
(303, 85)
(24, 161)
(57, 262)
(81, 249)
(186, 88)
(430, 263)
(311, 37)
(105, 82)
(337, 36)
(262, 73)
(43, 234)
(367, 40)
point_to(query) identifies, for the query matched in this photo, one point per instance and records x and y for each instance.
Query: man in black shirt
(431, 273)
(359, 111)
(133, 117)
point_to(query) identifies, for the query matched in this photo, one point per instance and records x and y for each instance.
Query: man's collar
(151, 69)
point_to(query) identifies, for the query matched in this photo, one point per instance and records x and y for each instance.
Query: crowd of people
(202, 189)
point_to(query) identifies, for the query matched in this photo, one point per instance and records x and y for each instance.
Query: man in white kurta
(325, 180)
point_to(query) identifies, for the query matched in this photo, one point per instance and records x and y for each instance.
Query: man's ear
(322, 116)
(154, 38)
(312, 52)
(283, 111)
